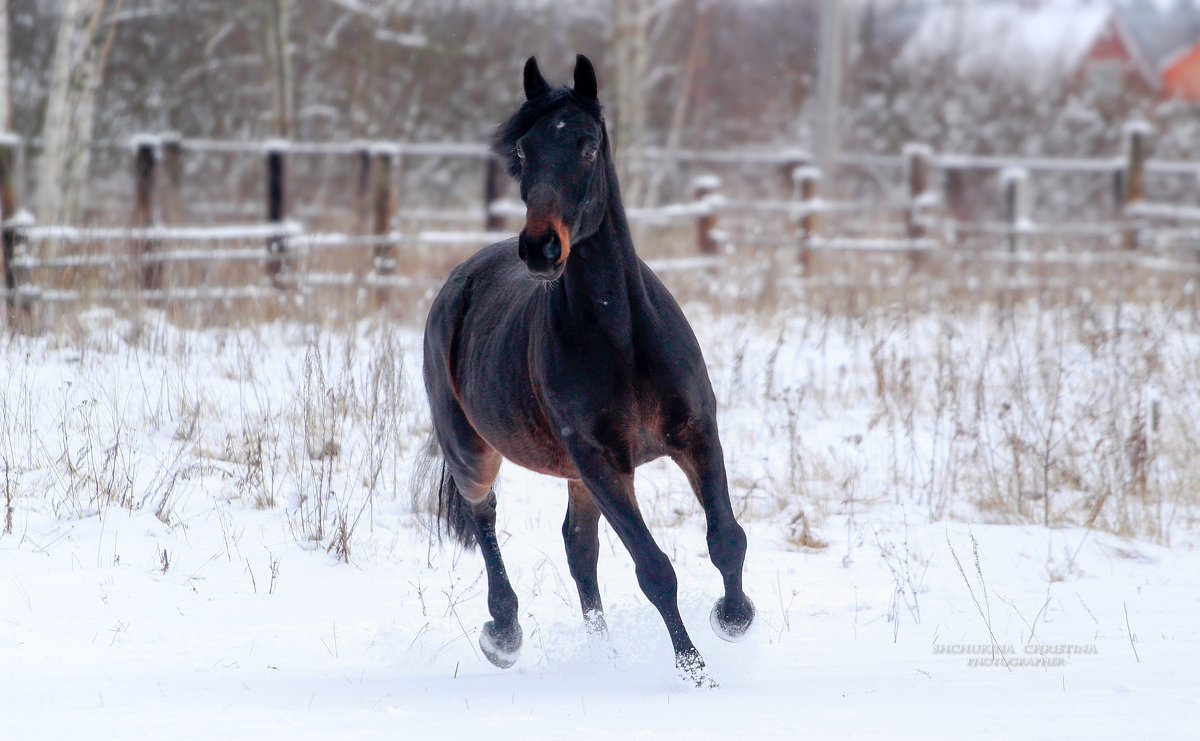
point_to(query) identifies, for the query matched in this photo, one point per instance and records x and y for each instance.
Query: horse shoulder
(677, 386)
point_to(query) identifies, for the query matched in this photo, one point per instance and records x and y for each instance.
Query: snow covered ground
(212, 537)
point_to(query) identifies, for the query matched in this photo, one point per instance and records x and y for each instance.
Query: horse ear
(535, 84)
(585, 77)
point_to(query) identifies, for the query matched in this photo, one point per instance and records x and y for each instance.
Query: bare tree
(5, 88)
(697, 62)
(77, 69)
(279, 42)
(631, 31)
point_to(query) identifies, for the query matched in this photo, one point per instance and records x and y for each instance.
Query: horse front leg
(582, 540)
(613, 493)
(703, 463)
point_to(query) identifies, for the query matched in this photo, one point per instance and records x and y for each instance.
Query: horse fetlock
(731, 618)
(501, 647)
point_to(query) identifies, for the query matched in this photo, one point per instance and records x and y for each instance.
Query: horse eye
(590, 153)
(520, 152)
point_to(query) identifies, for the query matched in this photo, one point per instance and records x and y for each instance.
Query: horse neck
(602, 283)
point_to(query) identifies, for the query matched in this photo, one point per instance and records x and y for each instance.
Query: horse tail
(436, 496)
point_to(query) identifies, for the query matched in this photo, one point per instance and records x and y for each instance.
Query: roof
(1159, 34)
(1182, 53)
(1010, 37)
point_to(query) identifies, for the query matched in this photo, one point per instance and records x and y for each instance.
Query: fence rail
(924, 212)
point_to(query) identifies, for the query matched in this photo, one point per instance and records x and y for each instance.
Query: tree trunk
(630, 28)
(636, 27)
(57, 130)
(5, 87)
(279, 29)
(694, 68)
(75, 74)
(91, 73)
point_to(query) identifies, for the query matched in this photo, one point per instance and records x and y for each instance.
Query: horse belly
(507, 416)
(527, 443)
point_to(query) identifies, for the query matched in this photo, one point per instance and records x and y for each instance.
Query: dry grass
(1022, 395)
(1042, 392)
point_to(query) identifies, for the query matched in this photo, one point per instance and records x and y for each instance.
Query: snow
(801, 173)
(228, 232)
(168, 572)
(387, 149)
(1164, 211)
(138, 141)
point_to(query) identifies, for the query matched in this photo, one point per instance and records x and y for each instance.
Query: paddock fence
(919, 212)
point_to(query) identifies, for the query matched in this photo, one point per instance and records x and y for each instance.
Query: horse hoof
(731, 625)
(501, 649)
(691, 667)
(594, 624)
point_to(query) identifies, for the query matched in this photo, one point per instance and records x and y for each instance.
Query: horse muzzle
(545, 254)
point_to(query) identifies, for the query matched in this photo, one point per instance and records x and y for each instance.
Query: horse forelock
(504, 140)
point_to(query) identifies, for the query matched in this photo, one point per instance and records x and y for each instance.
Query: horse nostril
(552, 249)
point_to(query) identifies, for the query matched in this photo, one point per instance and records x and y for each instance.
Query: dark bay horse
(561, 351)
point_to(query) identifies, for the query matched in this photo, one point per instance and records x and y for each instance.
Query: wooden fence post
(145, 157)
(276, 150)
(382, 206)
(1016, 206)
(704, 189)
(1136, 136)
(808, 183)
(955, 200)
(791, 184)
(917, 159)
(362, 188)
(493, 186)
(171, 208)
(916, 172)
(788, 171)
(955, 194)
(17, 312)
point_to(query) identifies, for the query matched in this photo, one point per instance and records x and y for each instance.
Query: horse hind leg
(471, 468)
(501, 637)
(581, 537)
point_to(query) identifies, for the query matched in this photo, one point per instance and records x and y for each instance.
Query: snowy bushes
(1049, 411)
(1056, 408)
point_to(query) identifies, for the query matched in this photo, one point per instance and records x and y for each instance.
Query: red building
(1086, 42)
(1181, 74)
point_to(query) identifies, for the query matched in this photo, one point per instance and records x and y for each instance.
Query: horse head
(556, 147)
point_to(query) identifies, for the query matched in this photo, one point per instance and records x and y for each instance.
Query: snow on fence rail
(920, 208)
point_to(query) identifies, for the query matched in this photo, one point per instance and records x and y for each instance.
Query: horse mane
(504, 140)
